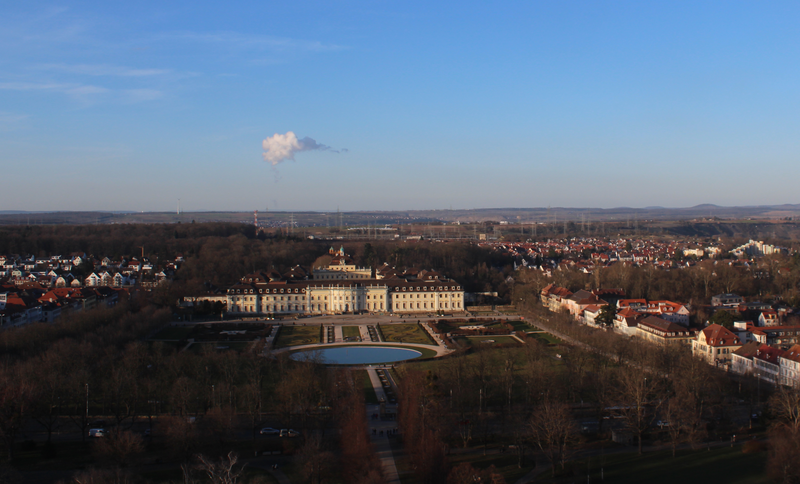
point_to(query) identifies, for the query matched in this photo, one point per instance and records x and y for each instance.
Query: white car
(269, 431)
(97, 433)
(289, 433)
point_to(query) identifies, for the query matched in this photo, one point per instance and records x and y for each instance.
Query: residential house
(768, 318)
(726, 300)
(663, 332)
(742, 358)
(790, 367)
(626, 321)
(766, 364)
(716, 344)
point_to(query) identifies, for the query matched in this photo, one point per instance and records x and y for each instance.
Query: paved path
(338, 333)
(381, 428)
(376, 385)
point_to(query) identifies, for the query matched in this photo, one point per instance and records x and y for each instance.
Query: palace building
(341, 287)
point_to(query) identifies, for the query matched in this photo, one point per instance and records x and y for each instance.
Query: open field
(725, 464)
(290, 335)
(350, 332)
(405, 333)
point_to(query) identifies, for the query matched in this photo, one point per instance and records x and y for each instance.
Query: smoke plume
(282, 147)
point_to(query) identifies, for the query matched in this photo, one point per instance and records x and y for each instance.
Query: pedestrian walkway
(338, 334)
(380, 430)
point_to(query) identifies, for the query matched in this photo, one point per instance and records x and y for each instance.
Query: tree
(724, 318)
(465, 473)
(606, 316)
(553, 430)
(636, 391)
(120, 447)
(15, 395)
(223, 471)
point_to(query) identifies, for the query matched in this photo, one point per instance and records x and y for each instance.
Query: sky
(388, 105)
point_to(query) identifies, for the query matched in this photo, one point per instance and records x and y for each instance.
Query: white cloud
(282, 147)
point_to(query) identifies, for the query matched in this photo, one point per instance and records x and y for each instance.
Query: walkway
(379, 430)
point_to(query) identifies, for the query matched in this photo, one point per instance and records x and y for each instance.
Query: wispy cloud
(103, 70)
(9, 121)
(138, 95)
(252, 41)
(86, 92)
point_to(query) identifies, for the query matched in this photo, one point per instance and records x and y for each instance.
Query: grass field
(478, 340)
(545, 338)
(350, 332)
(290, 335)
(405, 333)
(521, 325)
(725, 464)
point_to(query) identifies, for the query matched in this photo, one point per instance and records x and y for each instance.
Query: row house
(789, 363)
(16, 309)
(590, 314)
(579, 301)
(552, 297)
(716, 345)
(766, 363)
(784, 336)
(627, 320)
(663, 332)
(106, 279)
(742, 358)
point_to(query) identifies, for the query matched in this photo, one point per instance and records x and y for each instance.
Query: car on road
(269, 431)
(662, 424)
(97, 433)
(289, 433)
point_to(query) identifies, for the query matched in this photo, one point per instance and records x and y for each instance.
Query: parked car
(289, 433)
(269, 431)
(662, 423)
(98, 433)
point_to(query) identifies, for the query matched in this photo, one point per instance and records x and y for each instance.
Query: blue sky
(130, 106)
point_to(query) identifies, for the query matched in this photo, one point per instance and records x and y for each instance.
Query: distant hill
(704, 212)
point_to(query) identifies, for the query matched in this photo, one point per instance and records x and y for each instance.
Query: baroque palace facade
(341, 287)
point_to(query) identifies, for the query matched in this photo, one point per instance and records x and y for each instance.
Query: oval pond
(358, 355)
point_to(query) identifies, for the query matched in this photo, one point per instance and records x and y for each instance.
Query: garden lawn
(405, 333)
(292, 335)
(350, 332)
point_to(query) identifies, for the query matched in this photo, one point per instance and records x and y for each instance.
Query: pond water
(358, 355)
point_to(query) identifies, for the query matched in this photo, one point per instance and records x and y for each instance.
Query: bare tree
(223, 471)
(636, 392)
(553, 430)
